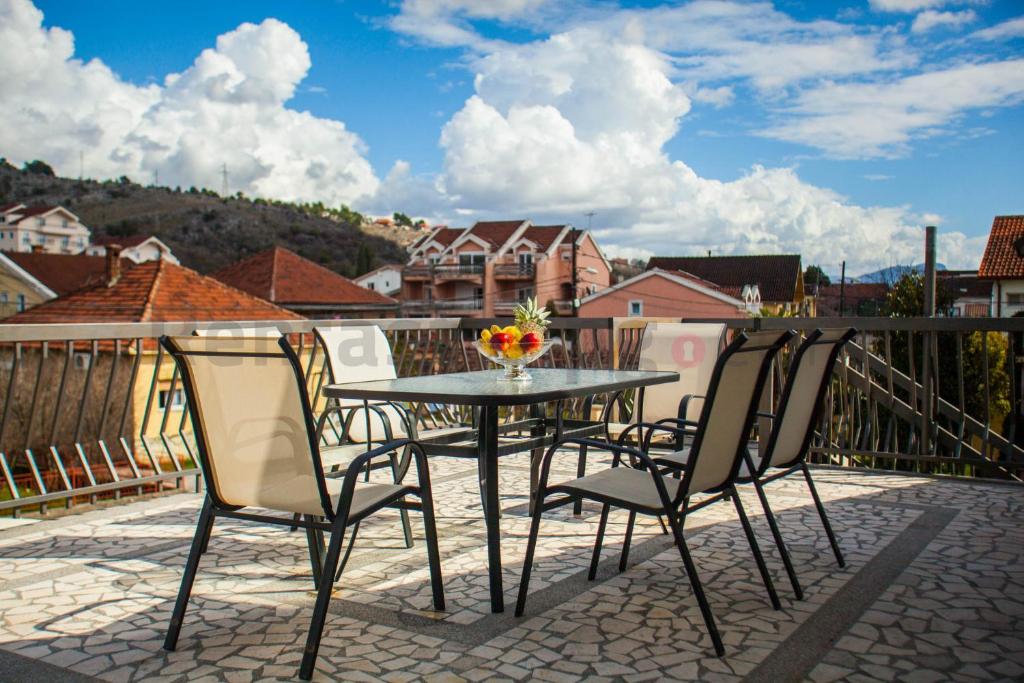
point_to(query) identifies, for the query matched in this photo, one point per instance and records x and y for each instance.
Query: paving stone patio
(933, 590)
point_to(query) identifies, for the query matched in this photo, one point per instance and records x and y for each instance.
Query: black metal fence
(98, 410)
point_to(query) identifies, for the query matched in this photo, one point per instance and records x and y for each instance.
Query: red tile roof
(1004, 253)
(543, 235)
(287, 279)
(445, 236)
(154, 291)
(7, 207)
(496, 233)
(33, 211)
(63, 273)
(776, 275)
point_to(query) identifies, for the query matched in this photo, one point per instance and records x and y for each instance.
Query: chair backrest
(691, 349)
(356, 353)
(247, 331)
(251, 417)
(728, 413)
(806, 383)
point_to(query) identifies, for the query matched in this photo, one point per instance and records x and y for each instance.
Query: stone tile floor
(933, 590)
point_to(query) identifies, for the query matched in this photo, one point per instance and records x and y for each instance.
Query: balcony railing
(417, 272)
(514, 271)
(94, 411)
(462, 270)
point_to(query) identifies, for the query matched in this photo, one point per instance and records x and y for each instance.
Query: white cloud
(863, 120)
(717, 97)
(905, 6)
(228, 108)
(446, 22)
(543, 138)
(1011, 28)
(931, 19)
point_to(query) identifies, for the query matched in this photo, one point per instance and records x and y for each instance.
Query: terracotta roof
(446, 236)
(1003, 259)
(7, 207)
(129, 241)
(34, 211)
(63, 273)
(154, 291)
(543, 235)
(496, 233)
(854, 295)
(287, 279)
(776, 275)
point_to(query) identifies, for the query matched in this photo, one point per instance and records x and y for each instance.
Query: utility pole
(842, 290)
(929, 350)
(224, 178)
(81, 165)
(574, 235)
(929, 271)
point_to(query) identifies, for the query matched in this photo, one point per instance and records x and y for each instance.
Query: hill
(892, 273)
(205, 231)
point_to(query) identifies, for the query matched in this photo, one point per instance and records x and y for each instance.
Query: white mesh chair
(638, 486)
(689, 349)
(807, 381)
(258, 448)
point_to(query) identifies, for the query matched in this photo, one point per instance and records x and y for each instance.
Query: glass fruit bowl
(513, 356)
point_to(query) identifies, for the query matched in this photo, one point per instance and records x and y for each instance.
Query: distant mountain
(205, 231)
(892, 273)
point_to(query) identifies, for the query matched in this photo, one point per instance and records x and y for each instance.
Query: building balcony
(463, 304)
(468, 272)
(514, 271)
(417, 273)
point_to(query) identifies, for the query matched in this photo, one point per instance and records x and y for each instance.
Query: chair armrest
(684, 403)
(764, 413)
(357, 465)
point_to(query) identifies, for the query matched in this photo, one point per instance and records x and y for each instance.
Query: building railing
(514, 270)
(460, 270)
(98, 410)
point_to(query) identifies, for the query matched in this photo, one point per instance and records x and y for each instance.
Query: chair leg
(779, 543)
(316, 554)
(581, 471)
(824, 517)
(754, 548)
(629, 537)
(406, 526)
(433, 554)
(323, 599)
(531, 546)
(596, 557)
(348, 552)
(698, 589)
(203, 528)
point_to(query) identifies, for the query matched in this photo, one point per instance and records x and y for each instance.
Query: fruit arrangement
(524, 337)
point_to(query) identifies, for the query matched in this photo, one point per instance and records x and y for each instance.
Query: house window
(64, 223)
(65, 242)
(3, 297)
(177, 399)
(40, 222)
(21, 303)
(524, 294)
(1015, 299)
(636, 307)
(370, 285)
(525, 258)
(471, 259)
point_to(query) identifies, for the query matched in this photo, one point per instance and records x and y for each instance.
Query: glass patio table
(484, 390)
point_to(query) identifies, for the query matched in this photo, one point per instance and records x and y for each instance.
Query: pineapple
(531, 317)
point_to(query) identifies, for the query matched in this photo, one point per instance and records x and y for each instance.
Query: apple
(499, 338)
(531, 341)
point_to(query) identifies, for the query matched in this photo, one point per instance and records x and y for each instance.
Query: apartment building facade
(486, 269)
(52, 229)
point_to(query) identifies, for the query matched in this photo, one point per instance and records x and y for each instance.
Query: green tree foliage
(38, 167)
(402, 219)
(814, 275)
(347, 215)
(906, 300)
(365, 259)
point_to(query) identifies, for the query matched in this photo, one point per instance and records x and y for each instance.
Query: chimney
(37, 249)
(113, 264)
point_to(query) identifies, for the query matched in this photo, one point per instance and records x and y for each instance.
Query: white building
(137, 248)
(52, 229)
(387, 279)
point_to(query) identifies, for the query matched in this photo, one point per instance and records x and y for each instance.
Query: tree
(365, 258)
(814, 275)
(402, 219)
(38, 167)
(350, 217)
(906, 300)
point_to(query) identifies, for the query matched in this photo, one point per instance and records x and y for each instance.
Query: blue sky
(832, 129)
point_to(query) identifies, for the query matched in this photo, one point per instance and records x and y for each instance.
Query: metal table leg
(488, 454)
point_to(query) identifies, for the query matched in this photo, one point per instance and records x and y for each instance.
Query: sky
(836, 130)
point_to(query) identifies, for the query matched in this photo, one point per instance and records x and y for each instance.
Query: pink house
(485, 270)
(659, 293)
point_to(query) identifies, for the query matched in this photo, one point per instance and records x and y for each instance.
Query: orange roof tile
(287, 279)
(1004, 253)
(63, 273)
(496, 233)
(154, 291)
(543, 235)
